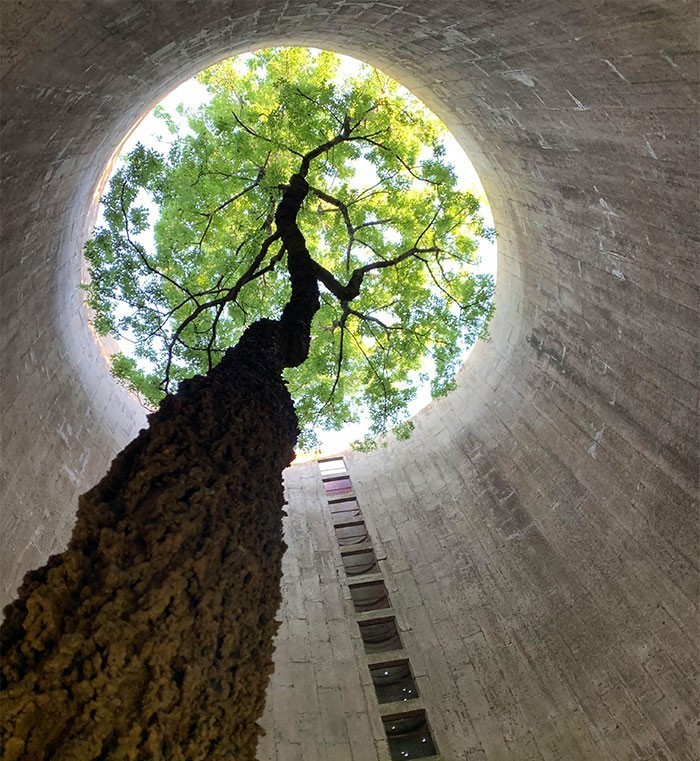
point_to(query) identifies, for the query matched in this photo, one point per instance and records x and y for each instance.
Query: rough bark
(304, 302)
(150, 637)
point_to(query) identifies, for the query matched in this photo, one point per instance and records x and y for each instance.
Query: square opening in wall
(372, 595)
(393, 682)
(334, 466)
(409, 736)
(351, 533)
(345, 508)
(380, 635)
(357, 563)
(336, 486)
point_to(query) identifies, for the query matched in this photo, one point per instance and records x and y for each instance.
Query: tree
(151, 635)
(378, 205)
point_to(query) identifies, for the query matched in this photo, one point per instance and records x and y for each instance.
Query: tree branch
(406, 166)
(210, 215)
(139, 249)
(339, 367)
(257, 135)
(231, 294)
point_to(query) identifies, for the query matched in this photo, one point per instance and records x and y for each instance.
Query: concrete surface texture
(539, 530)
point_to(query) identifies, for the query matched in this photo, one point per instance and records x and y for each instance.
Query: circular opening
(162, 131)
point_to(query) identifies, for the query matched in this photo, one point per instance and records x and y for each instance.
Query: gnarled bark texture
(150, 637)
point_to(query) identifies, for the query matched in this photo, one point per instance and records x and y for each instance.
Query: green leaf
(185, 227)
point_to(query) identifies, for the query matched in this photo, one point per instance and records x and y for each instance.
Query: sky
(152, 132)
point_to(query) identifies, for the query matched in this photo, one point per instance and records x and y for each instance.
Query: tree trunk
(150, 637)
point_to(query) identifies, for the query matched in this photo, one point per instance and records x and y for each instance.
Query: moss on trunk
(150, 637)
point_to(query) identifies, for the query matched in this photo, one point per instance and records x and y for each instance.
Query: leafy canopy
(189, 255)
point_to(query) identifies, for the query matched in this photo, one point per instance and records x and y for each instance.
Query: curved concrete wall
(571, 445)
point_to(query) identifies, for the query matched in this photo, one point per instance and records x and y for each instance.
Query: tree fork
(150, 637)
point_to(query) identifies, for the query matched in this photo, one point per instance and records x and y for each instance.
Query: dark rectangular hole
(409, 736)
(346, 508)
(357, 563)
(334, 487)
(380, 635)
(355, 533)
(393, 682)
(370, 596)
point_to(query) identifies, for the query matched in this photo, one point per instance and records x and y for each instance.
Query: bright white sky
(151, 132)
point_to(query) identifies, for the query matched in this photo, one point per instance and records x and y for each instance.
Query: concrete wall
(541, 523)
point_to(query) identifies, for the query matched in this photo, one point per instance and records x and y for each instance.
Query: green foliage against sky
(188, 254)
